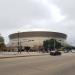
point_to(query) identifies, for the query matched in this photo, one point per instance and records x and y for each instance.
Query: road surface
(38, 65)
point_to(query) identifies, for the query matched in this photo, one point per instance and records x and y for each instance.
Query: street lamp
(18, 42)
(54, 44)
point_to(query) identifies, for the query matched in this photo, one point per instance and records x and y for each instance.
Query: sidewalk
(22, 54)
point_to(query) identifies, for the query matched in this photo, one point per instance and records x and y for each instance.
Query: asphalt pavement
(39, 65)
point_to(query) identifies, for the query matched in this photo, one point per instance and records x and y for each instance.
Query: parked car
(55, 53)
(66, 51)
(73, 51)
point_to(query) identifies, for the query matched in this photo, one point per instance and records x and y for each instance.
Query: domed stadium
(35, 38)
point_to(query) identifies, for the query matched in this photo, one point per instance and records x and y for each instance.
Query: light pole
(54, 44)
(18, 43)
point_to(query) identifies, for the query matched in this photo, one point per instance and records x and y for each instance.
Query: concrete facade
(35, 38)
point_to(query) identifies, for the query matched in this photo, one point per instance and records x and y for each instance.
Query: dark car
(55, 53)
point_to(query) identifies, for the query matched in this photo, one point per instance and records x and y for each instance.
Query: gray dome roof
(38, 34)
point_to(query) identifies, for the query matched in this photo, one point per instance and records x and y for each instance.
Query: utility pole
(18, 43)
(54, 44)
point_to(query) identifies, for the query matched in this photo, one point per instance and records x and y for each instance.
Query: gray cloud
(23, 15)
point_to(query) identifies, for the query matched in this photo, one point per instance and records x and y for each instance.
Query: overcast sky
(28, 15)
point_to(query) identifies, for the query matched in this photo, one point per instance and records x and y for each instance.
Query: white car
(73, 50)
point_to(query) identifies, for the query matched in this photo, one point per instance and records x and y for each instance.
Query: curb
(21, 56)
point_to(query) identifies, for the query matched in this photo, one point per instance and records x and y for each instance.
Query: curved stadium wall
(34, 38)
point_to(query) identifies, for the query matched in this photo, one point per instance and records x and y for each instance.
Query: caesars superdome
(35, 38)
